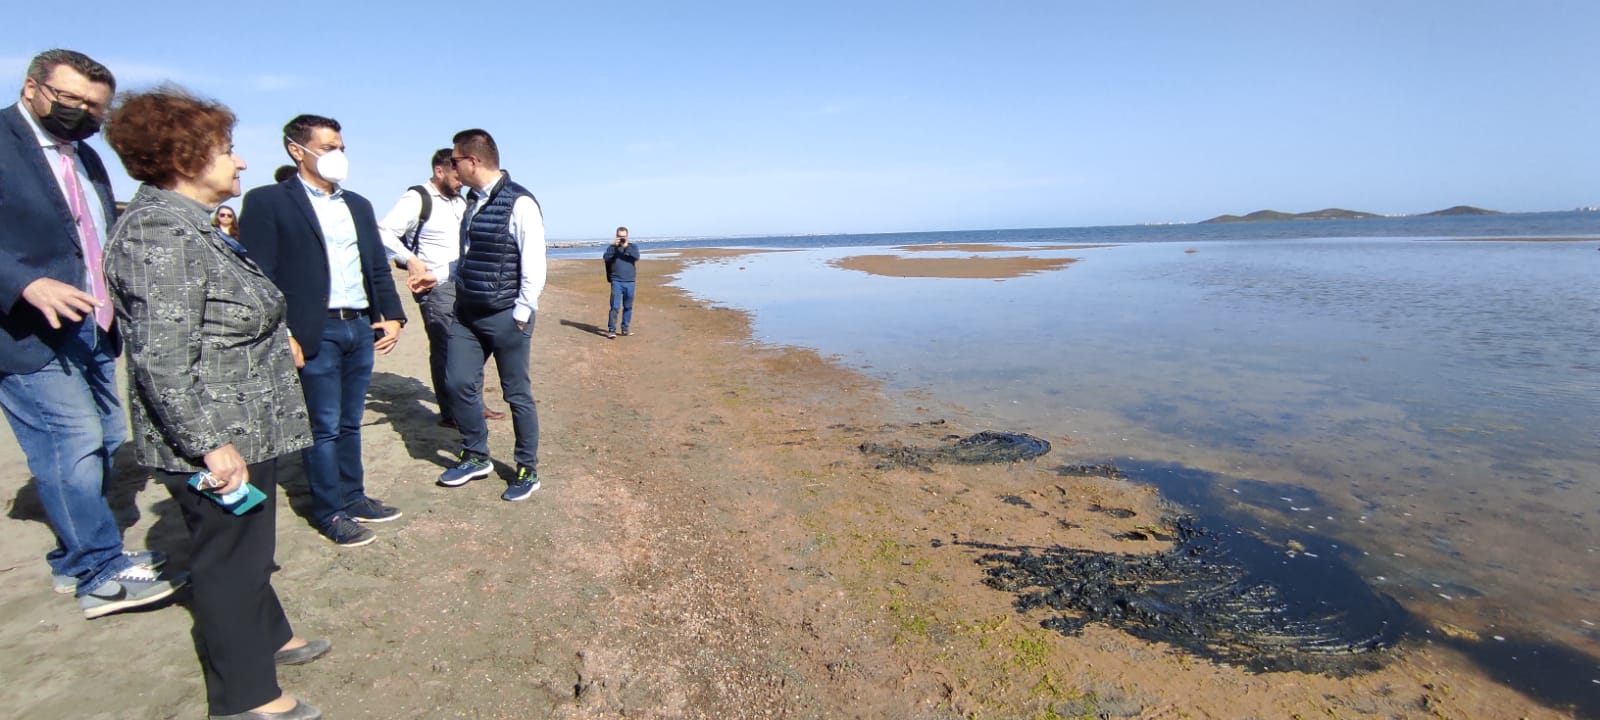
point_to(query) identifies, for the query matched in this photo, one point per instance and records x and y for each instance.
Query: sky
(688, 119)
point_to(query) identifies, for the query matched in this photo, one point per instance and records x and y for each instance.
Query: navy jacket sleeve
(258, 230)
(375, 263)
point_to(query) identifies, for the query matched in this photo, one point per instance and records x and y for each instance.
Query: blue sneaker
(134, 587)
(344, 531)
(527, 482)
(68, 585)
(472, 467)
(367, 510)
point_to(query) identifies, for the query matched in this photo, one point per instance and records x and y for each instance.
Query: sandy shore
(709, 543)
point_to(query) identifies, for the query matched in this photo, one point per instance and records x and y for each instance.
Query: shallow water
(1430, 404)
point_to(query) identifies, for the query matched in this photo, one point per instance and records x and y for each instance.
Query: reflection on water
(1438, 398)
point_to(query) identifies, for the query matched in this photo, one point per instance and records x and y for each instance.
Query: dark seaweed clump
(1200, 597)
(987, 447)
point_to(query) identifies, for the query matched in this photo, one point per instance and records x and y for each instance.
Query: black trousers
(238, 623)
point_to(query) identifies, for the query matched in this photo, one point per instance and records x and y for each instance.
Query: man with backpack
(423, 233)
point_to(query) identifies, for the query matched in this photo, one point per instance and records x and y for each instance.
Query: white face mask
(332, 165)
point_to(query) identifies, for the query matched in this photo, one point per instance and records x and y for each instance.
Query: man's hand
(419, 279)
(391, 336)
(227, 465)
(299, 357)
(57, 300)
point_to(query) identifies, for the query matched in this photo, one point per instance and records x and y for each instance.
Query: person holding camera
(621, 257)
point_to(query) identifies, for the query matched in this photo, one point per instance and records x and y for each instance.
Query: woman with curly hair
(214, 392)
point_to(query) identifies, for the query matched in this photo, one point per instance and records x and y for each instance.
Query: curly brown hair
(166, 133)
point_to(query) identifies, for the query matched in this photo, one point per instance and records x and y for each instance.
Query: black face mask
(69, 123)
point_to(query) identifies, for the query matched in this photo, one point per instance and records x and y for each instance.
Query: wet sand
(985, 247)
(977, 267)
(709, 543)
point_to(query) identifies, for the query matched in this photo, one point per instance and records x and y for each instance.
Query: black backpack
(414, 240)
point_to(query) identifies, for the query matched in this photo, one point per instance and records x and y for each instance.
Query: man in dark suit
(58, 341)
(319, 243)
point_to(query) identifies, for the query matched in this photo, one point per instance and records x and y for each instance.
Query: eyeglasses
(455, 160)
(72, 100)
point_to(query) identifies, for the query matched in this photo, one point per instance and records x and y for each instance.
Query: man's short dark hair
(46, 62)
(299, 129)
(284, 172)
(479, 144)
(622, 228)
(441, 158)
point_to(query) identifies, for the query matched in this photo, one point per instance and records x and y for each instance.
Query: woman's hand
(299, 357)
(227, 465)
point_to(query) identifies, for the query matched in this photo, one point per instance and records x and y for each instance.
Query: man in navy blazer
(58, 342)
(319, 243)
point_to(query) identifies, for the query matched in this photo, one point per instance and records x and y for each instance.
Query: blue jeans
(621, 296)
(335, 383)
(69, 424)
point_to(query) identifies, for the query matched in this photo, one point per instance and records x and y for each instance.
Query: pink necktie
(91, 239)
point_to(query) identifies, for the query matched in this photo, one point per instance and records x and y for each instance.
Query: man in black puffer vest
(498, 280)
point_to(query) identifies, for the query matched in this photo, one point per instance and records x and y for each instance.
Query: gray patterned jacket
(207, 348)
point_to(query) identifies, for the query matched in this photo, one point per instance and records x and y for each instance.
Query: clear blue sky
(693, 118)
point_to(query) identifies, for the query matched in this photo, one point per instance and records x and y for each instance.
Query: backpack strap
(414, 240)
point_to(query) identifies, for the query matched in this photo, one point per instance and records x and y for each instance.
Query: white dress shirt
(346, 289)
(439, 243)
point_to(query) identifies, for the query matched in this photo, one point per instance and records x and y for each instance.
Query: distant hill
(1339, 214)
(1274, 215)
(1461, 210)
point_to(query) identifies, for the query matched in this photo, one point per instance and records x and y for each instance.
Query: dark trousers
(474, 338)
(238, 622)
(335, 383)
(438, 315)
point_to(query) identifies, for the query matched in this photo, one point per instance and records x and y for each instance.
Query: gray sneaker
(135, 587)
(472, 467)
(67, 584)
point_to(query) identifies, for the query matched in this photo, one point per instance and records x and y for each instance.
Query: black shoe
(367, 510)
(625, 332)
(345, 532)
(313, 649)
